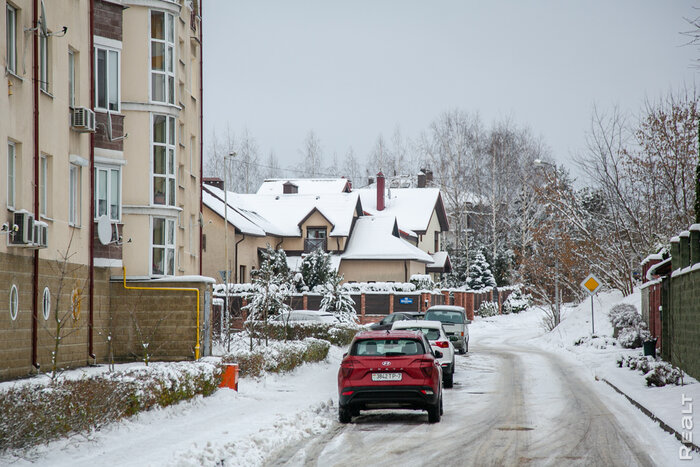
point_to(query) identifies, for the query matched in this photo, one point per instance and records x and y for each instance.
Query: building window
(71, 78)
(46, 303)
(74, 195)
(163, 248)
(11, 173)
(43, 184)
(107, 79)
(44, 61)
(191, 239)
(162, 57)
(193, 154)
(11, 39)
(108, 192)
(315, 239)
(14, 302)
(437, 241)
(163, 160)
(241, 274)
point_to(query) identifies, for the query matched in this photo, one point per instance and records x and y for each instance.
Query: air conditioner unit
(24, 235)
(82, 120)
(41, 232)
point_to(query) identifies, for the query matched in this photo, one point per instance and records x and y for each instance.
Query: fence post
(685, 248)
(391, 303)
(695, 244)
(675, 253)
(469, 305)
(362, 306)
(305, 301)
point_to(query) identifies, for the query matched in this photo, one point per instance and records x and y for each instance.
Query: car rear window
(387, 347)
(430, 333)
(451, 317)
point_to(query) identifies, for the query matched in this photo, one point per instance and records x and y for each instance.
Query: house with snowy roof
(300, 215)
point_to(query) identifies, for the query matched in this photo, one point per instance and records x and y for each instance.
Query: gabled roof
(378, 238)
(235, 217)
(412, 207)
(306, 186)
(282, 215)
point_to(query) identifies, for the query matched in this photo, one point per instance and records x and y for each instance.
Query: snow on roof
(412, 207)
(281, 214)
(373, 238)
(294, 262)
(210, 198)
(439, 260)
(307, 186)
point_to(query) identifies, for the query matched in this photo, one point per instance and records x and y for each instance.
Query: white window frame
(74, 190)
(110, 170)
(11, 174)
(14, 302)
(11, 39)
(71, 77)
(44, 62)
(46, 303)
(43, 187)
(170, 175)
(167, 246)
(108, 85)
(193, 152)
(169, 50)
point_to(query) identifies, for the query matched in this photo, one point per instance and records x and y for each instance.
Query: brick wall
(108, 20)
(681, 322)
(102, 131)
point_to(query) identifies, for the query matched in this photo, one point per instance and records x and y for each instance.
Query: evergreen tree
(460, 271)
(337, 300)
(276, 260)
(480, 275)
(316, 268)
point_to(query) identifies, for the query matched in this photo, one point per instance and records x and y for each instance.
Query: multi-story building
(100, 157)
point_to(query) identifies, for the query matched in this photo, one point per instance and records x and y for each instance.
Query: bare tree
(380, 158)
(350, 168)
(312, 154)
(272, 166)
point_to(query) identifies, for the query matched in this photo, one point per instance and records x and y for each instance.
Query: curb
(649, 414)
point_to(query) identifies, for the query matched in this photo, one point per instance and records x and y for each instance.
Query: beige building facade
(100, 158)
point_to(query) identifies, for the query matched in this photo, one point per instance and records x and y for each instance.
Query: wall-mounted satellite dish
(42, 21)
(104, 230)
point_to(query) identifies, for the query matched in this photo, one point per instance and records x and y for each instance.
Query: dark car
(387, 321)
(390, 369)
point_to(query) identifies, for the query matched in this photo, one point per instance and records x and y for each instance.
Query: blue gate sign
(406, 300)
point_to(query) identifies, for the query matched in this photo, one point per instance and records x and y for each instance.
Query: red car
(390, 369)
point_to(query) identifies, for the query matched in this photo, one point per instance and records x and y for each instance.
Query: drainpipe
(235, 253)
(91, 254)
(189, 289)
(201, 132)
(35, 94)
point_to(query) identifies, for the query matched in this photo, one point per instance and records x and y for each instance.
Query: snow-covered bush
(337, 300)
(422, 282)
(487, 309)
(597, 342)
(516, 302)
(656, 372)
(364, 287)
(630, 330)
(633, 337)
(336, 334)
(480, 275)
(277, 356)
(35, 413)
(316, 268)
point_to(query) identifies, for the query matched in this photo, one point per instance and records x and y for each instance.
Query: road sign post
(591, 284)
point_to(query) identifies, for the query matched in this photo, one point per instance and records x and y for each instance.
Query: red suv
(390, 369)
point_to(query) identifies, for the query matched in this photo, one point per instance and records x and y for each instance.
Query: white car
(435, 333)
(308, 316)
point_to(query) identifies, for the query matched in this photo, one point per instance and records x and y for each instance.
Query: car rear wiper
(394, 354)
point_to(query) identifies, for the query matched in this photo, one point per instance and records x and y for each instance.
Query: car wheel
(434, 412)
(447, 380)
(344, 415)
(466, 347)
(462, 351)
(441, 411)
(355, 412)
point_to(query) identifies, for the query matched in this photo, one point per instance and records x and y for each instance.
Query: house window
(241, 274)
(11, 173)
(46, 303)
(43, 184)
(204, 242)
(191, 243)
(14, 302)
(163, 247)
(108, 192)
(163, 161)
(107, 79)
(437, 241)
(315, 239)
(11, 39)
(193, 154)
(71, 78)
(74, 195)
(162, 57)
(44, 63)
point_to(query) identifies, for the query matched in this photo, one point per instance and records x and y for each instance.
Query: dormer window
(289, 188)
(315, 239)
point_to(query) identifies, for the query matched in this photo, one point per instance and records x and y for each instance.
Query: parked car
(388, 320)
(312, 316)
(435, 333)
(390, 369)
(454, 319)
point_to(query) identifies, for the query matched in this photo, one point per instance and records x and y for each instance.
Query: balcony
(311, 244)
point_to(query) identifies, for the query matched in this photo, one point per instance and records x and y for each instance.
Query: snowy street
(521, 397)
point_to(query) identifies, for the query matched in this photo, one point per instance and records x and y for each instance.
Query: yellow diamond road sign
(591, 284)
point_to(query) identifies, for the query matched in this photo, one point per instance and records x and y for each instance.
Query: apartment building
(100, 158)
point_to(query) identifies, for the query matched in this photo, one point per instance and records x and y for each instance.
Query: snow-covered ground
(278, 416)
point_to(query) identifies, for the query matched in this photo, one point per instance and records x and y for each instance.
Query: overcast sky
(351, 70)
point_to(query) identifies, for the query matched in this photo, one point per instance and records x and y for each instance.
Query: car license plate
(386, 376)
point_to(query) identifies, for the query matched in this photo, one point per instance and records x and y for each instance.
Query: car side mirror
(437, 354)
(469, 321)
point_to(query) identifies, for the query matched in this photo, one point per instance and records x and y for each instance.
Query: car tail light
(347, 393)
(441, 344)
(462, 333)
(428, 392)
(427, 367)
(346, 368)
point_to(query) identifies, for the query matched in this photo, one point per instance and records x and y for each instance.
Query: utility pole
(228, 272)
(557, 304)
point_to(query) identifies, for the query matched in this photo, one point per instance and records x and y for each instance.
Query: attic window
(289, 188)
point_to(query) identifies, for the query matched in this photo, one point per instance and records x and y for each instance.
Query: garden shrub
(630, 330)
(487, 309)
(337, 334)
(656, 372)
(516, 302)
(277, 356)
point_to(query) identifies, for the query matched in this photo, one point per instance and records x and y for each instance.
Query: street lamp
(557, 304)
(227, 268)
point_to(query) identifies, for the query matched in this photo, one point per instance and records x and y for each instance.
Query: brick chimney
(214, 181)
(421, 179)
(380, 191)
